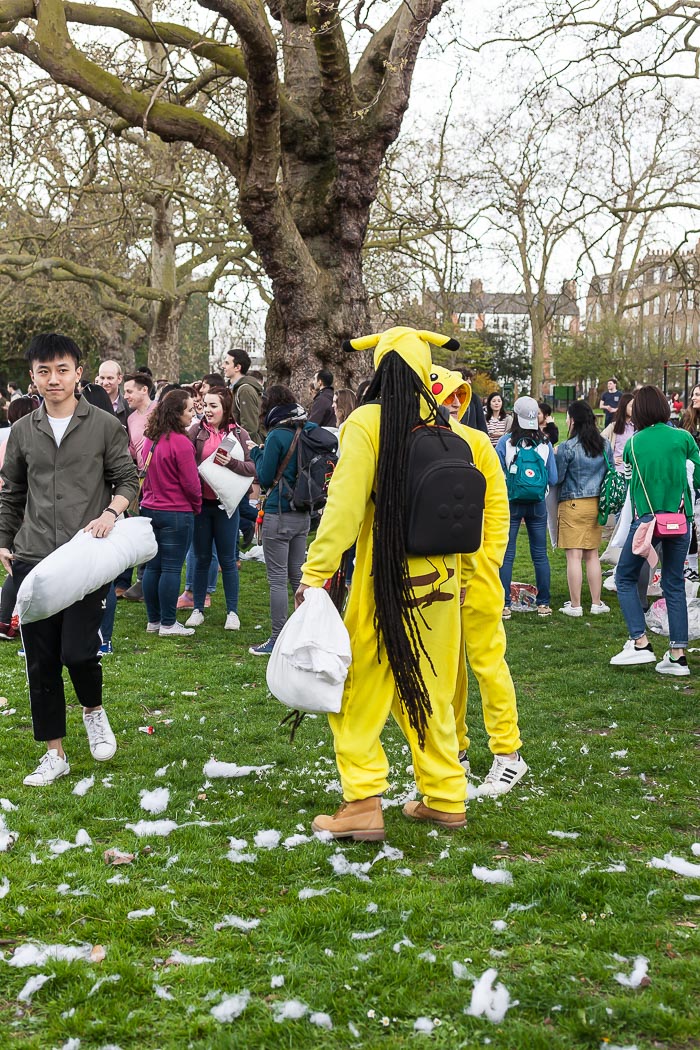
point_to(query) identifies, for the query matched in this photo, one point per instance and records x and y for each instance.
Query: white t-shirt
(59, 427)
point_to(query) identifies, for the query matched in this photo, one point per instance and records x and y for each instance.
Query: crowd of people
(138, 446)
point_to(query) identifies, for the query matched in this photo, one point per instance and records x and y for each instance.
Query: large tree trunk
(166, 314)
(307, 165)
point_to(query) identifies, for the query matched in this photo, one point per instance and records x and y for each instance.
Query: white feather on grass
(492, 875)
(155, 801)
(231, 1007)
(489, 1000)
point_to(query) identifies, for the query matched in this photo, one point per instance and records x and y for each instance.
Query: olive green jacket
(48, 493)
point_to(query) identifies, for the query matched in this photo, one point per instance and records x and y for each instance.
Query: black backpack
(445, 494)
(317, 455)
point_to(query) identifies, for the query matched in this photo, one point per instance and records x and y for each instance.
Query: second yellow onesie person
(483, 633)
(431, 593)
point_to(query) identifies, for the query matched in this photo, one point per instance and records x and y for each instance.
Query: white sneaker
(103, 742)
(503, 775)
(598, 610)
(51, 767)
(196, 619)
(571, 610)
(232, 622)
(676, 667)
(153, 628)
(175, 628)
(630, 655)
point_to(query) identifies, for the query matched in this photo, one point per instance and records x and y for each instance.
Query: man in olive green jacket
(67, 467)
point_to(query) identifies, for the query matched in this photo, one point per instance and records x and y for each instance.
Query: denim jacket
(580, 476)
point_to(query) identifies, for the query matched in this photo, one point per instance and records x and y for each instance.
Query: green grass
(556, 959)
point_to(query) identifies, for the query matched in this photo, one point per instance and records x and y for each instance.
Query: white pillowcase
(82, 566)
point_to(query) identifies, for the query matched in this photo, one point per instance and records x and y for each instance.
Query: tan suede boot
(361, 821)
(449, 821)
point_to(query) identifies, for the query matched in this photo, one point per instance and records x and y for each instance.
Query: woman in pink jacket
(172, 495)
(213, 525)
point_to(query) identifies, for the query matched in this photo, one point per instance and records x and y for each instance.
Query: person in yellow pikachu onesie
(403, 613)
(483, 633)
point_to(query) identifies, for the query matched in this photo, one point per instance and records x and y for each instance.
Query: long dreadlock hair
(401, 393)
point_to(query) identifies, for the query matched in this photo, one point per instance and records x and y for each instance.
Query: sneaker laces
(96, 726)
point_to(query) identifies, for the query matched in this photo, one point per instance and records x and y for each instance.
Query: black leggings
(68, 639)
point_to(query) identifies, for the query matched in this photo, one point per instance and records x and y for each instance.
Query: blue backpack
(526, 477)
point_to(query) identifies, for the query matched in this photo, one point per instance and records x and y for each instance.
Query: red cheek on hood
(437, 388)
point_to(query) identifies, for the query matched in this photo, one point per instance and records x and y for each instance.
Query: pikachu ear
(435, 339)
(363, 342)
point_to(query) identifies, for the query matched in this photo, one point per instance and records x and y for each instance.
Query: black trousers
(69, 639)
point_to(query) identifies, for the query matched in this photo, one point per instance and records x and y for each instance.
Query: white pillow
(310, 661)
(82, 566)
(228, 486)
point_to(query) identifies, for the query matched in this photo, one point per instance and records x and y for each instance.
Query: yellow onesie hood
(413, 346)
(443, 383)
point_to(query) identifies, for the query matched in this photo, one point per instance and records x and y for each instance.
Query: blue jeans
(214, 525)
(535, 517)
(107, 625)
(189, 571)
(161, 580)
(673, 553)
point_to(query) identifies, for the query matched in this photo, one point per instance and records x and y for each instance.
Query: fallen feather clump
(33, 985)
(342, 866)
(236, 923)
(423, 1025)
(177, 958)
(7, 805)
(677, 865)
(267, 839)
(498, 875)
(161, 828)
(367, 936)
(695, 849)
(113, 978)
(563, 834)
(459, 971)
(83, 786)
(33, 953)
(142, 913)
(215, 769)
(308, 892)
(297, 840)
(488, 1001)
(59, 846)
(236, 854)
(231, 1008)
(321, 1020)
(4, 888)
(639, 973)
(116, 857)
(155, 801)
(291, 1010)
(7, 838)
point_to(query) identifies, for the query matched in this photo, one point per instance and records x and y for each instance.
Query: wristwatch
(110, 510)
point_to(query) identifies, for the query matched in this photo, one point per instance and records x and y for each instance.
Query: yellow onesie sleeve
(496, 507)
(349, 493)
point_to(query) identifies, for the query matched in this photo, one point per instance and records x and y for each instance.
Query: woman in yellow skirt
(581, 467)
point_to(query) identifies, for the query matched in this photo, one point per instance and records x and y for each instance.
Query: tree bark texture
(307, 164)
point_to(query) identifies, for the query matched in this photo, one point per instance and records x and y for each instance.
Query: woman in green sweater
(656, 462)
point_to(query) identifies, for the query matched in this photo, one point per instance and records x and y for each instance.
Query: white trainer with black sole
(503, 775)
(631, 655)
(50, 768)
(678, 667)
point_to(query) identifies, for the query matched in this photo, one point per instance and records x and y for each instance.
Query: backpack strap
(285, 462)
